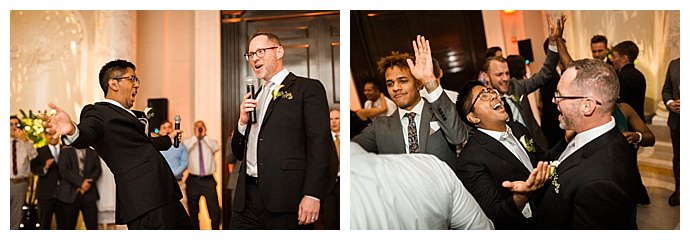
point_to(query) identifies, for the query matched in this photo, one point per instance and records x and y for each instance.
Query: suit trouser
(206, 186)
(46, 208)
(330, 213)
(17, 198)
(68, 213)
(256, 217)
(675, 141)
(169, 216)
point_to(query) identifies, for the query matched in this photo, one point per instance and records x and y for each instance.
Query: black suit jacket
(143, 178)
(48, 180)
(295, 151)
(597, 188)
(671, 91)
(633, 87)
(71, 180)
(485, 163)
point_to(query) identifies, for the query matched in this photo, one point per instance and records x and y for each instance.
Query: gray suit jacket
(385, 134)
(671, 91)
(527, 86)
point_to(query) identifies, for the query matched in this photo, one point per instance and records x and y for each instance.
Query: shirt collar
(333, 134)
(587, 136)
(417, 109)
(279, 77)
(499, 136)
(113, 102)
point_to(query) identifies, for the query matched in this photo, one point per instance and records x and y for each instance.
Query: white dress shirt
(25, 152)
(209, 148)
(417, 109)
(409, 191)
(585, 137)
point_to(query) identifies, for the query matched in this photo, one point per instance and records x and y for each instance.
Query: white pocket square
(433, 127)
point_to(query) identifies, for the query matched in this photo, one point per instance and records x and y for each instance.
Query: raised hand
(423, 68)
(57, 123)
(556, 27)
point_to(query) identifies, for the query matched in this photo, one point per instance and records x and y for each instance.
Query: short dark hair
(164, 122)
(487, 62)
(465, 99)
(490, 52)
(272, 37)
(516, 66)
(627, 48)
(113, 69)
(373, 83)
(395, 59)
(14, 117)
(600, 39)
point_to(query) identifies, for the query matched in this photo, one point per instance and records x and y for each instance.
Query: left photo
(221, 119)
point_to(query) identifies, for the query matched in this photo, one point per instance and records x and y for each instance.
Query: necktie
(14, 157)
(253, 138)
(56, 154)
(337, 148)
(517, 150)
(506, 106)
(80, 157)
(412, 133)
(201, 160)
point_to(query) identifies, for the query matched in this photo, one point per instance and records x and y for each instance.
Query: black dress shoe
(674, 199)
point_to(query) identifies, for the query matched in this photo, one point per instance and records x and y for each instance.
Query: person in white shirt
(21, 152)
(377, 104)
(409, 191)
(200, 180)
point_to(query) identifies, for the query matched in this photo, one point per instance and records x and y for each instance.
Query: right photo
(515, 119)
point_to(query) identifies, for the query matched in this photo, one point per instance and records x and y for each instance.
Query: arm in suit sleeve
(479, 181)
(90, 128)
(69, 170)
(547, 72)
(238, 144)
(602, 205)
(367, 138)
(94, 171)
(667, 90)
(451, 124)
(38, 163)
(319, 146)
(161, 143)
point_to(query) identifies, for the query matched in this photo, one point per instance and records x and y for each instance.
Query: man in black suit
(45, 165)
(593, 186)
(496, 152)
(671, 96)
(289, 161)
(148, 196)
(633, 84)
(419, 125)
(79, 171)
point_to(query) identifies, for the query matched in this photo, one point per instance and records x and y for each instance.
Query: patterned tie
(506, 106)
(14, 157)
(201, 160)
(412, 132)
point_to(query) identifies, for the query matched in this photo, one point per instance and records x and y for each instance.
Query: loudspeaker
(160, 113)
(525, 48)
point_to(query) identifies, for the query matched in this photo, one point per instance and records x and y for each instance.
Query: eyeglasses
(260, 53)
(557, 96)
(485, 95)
(133, 79)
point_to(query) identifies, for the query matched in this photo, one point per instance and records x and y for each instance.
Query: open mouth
(258, 66)
(498, 106)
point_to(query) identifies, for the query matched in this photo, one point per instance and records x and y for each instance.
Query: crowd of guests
(565, 161)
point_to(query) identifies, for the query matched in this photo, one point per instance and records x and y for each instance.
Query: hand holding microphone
(250, 89)
(179, 134)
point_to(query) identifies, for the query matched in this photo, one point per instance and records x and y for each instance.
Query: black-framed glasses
(261, 52)
(559, 98)
(485, 95)
(133, 79)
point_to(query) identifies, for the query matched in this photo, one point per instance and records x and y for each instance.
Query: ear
(112, 84)
(588, 107)
(280, 51)
(471, 117)
(440, 73)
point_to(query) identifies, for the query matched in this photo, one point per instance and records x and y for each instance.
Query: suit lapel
(396, 130)
(287, 86)
(140, 126)
(423, 133)
(518, 133)
(588, 149)
(494, 146)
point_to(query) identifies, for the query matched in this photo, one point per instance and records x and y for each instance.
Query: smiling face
(488, 111)
(599, 51)
(166, 128)
(402, 87)
(271, 63)
(371, 92)
(570, 113)
(499, 76)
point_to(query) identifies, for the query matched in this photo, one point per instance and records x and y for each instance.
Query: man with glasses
(500, 164)
(148, 196)
(418, 125)
(594, 185)
(289, 157)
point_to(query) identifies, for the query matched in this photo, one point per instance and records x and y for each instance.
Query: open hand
(536, 180)
(423, 67)
(57, 123)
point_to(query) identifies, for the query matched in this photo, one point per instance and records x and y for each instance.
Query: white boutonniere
(553, 175)
(528, 143)
(148, 113)
(276, 93)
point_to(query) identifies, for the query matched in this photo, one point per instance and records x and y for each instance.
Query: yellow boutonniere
(528, 143)
(276, 93)
(516, 99)
(148, 113)
(553, 174)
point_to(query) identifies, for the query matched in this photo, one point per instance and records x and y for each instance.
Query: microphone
(177, 127)
(250, 89)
